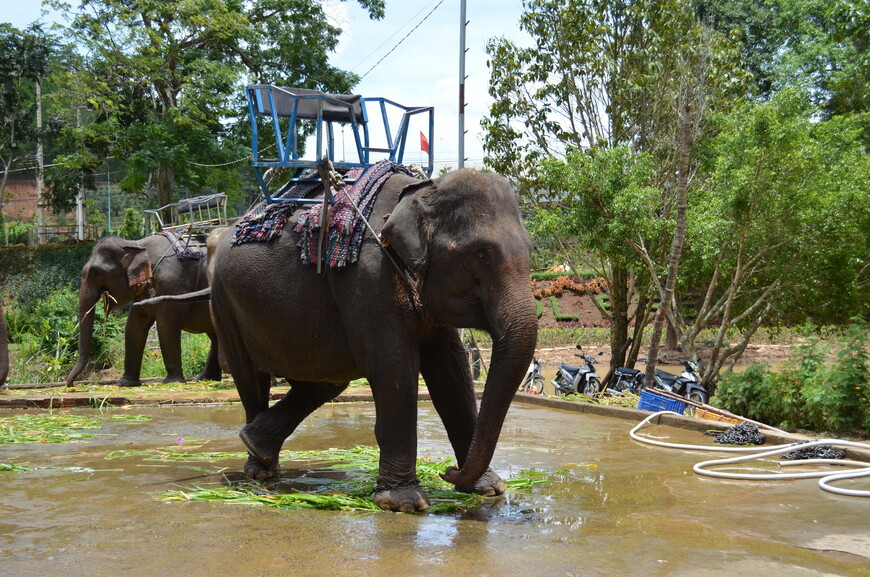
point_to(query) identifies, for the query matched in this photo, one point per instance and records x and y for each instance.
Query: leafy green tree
(601, 200)
(821, 45)
(602, 74)
(166, 79)
(780, 221)
(24, 57)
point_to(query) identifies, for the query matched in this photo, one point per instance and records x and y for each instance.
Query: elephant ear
(135, 261)
(405, 229)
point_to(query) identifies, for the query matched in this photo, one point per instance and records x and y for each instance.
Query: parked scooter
(583, 380)
(686, 384)
(625, 380)
(533, 382)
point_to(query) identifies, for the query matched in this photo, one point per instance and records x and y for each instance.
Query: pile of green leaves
(352, 491)
(46, 428)
(817, 395)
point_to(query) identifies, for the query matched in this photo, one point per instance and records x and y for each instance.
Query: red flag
(424, 144)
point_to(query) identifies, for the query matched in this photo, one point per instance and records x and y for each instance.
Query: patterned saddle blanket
(345, 229)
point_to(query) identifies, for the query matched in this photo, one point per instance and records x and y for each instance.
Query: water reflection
(611, 507)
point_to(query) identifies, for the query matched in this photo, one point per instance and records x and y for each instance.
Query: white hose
(825, 477)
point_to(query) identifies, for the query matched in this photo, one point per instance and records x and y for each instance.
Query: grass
(50, 428)
(349, 490)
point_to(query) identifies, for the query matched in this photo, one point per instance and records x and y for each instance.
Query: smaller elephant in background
(130, 271)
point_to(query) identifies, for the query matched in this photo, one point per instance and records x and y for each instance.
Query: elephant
(452, 253)
(4, 348)
(131, 271)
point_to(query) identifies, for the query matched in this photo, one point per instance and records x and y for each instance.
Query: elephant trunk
(514, 330)
(4, 349)
(88, 299)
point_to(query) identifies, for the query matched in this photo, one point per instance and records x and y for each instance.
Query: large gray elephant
(452, 253)
(135, 270)
(4, 348)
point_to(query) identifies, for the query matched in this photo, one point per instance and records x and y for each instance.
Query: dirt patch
(588, 315)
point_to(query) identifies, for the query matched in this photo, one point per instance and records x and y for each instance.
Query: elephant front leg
(135, 335)
(444, 366)
(397, 487)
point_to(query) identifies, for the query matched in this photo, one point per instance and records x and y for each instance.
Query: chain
(398, 485)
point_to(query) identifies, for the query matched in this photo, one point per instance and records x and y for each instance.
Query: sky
(410, 57)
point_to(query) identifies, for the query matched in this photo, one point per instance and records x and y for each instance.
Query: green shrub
(816, 396)
(47, 331)
(14, 233)
(551, 275)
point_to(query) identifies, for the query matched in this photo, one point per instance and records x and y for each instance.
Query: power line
(390, 37)
(402, 40)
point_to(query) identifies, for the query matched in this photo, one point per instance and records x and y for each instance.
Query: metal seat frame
(327, 111)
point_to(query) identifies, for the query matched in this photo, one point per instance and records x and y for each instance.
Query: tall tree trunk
(4, 348)
(676, 244)
(165, 182)
(618, 292)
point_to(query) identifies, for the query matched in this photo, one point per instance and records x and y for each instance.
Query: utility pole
(40, 185)
(80, 197)
(462, 24)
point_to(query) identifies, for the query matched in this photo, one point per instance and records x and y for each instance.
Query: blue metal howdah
(285, 106)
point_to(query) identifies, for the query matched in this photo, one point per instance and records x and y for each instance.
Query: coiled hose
(862, 469)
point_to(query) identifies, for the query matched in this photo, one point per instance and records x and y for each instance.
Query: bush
(14, 233)
(47, 333)
(815, 396)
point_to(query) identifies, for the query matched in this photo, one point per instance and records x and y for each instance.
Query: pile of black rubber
(742, 434)
(817, 452)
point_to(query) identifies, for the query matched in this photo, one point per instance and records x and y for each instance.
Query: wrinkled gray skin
(462, 237)
(114, 264)
(4, 348)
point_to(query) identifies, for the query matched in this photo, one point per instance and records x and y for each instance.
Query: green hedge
(554, 302)
(548, 275)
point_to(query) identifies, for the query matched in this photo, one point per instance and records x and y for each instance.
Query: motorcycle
(687, 384)
(533, 382)
(626, 380)
(583, 380)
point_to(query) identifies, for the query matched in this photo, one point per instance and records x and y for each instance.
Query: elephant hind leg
(265, 435)
(212, 369)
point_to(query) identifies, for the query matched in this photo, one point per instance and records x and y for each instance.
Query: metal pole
(109, 194)
(40, 184)
(80, 197)
(462, 25)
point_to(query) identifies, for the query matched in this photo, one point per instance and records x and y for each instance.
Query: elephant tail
(200, 295)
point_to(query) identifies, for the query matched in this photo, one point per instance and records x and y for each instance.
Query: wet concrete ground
(613, 507)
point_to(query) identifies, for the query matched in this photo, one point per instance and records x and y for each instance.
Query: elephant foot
(489, 485)
(261, 445)
(255, 470)
(126, 381)
(207, 376)
(174, 379)
(404, 497)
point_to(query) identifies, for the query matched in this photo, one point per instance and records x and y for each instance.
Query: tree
(822, 45)
(601, 199)
(24, 59)
(166, 77)
(603, 74)
(780, 220)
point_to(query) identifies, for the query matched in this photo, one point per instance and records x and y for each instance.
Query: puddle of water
(613, 507)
